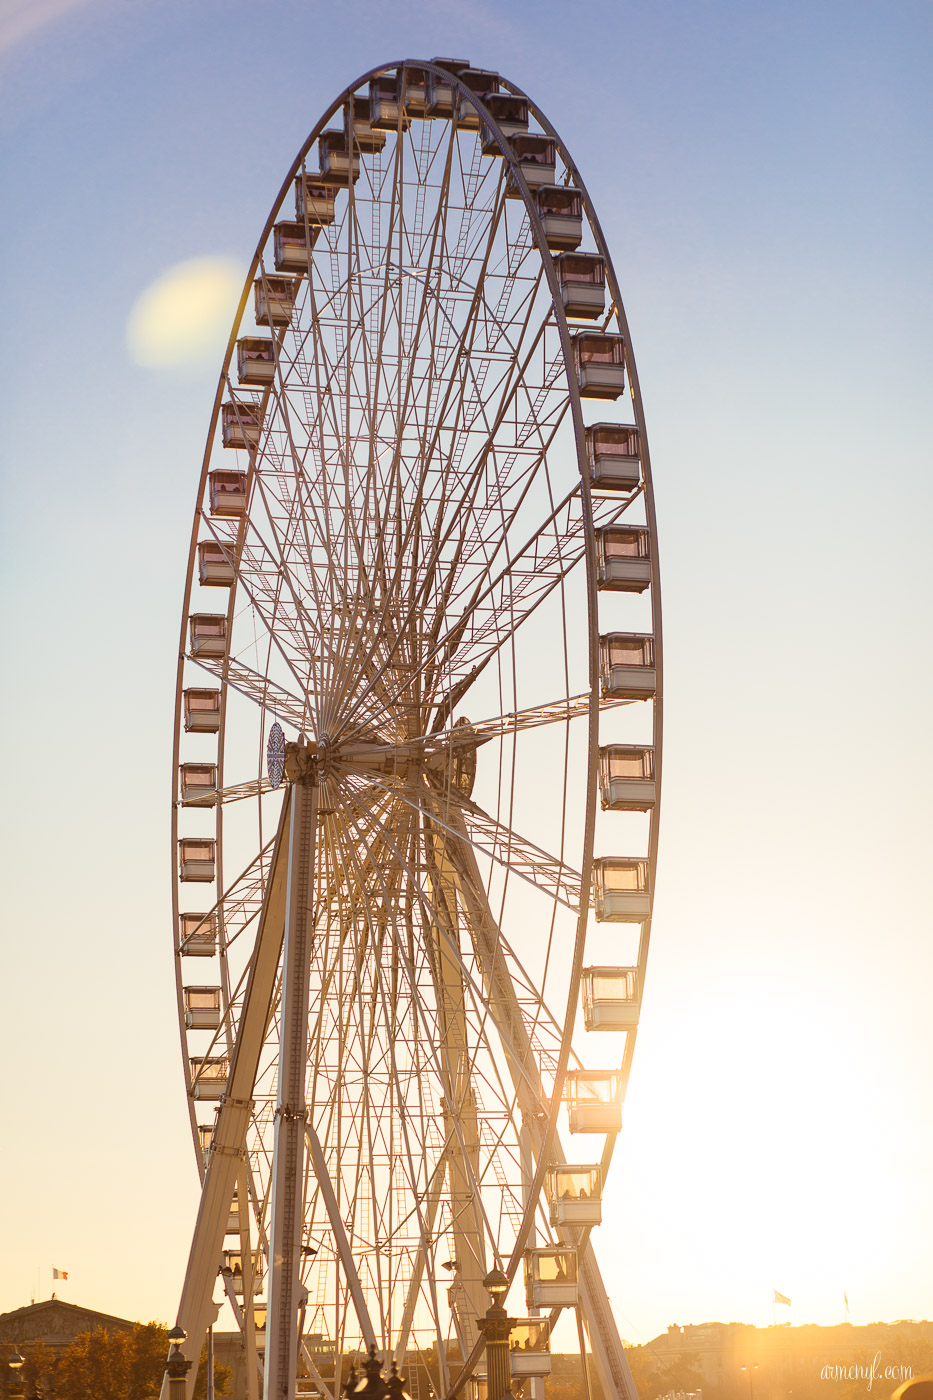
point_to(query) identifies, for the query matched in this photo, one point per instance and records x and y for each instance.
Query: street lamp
(751, 1387)
(496, 1328)
(15, 1379)
(177, 1367)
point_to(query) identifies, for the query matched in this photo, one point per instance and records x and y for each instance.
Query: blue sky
(762, 174)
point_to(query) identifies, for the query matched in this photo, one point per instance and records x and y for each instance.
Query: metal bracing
(409, 535)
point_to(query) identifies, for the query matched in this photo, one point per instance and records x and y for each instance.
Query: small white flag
(779, 1298)
(59, 1273)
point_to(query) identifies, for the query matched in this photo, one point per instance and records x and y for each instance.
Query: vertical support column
(287, 1204)
(527, 1160)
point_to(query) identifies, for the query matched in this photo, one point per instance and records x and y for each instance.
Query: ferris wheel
(417, 750)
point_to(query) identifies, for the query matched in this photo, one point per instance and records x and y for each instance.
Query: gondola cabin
(582, 280)
(626, 778)
(202, 711)
(594, 1100)
(574, 1195)
(241, 424)
(621, 884)
(560, 208)
(205, 1133)
(338, 165)
(614, 457)
(202, 1008)
(260, 1316)
(233, 1219)
(208, 634)
(291, 246)
(387, 112)
(255, 360)
(536, 155)
(600, 364)
(623, 558)
(233, 1268)
(414, 91)
(511, 114)
(479, 1386)
(610, 998)
(209, 1076)
(197, 858)
(441, 88)
(626, 666)
(482, 81)
(530, 1347)
(228, 492)
(551, 1277)
(315, 200)
(358, 128)
(274, 300)
(198, 784)
(197, 935)
(215, 564)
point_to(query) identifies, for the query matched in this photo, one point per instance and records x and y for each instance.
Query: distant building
(56, 1323)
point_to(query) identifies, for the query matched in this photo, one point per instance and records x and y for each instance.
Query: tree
(102, 1365)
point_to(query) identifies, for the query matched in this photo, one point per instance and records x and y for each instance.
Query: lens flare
(183, 318)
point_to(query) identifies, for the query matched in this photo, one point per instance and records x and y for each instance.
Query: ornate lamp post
(496, 1328)
(15, 1382)
(177, 1367)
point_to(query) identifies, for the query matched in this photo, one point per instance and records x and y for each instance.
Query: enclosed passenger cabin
(241, 423)
(530, 1347)
(594, 1100)
(621, 887)
(560, 208)
(208, 634)
(198, 784)
(551, 1277)
(358, 128)
(205, 1133)
(202, 711)
(610, 998)
(387, 111)
(228, 492)
(440, 90)
(623, 558)
(197, 858)
(483, 82)
(209, 1076)
(626, 666)
(291, 246)
(479, 1386)
(315, 200)
(233, 1219)
(202, 1008)
(574, 1195)
(600, 364)
(274, 299)
(197, 935)
(215, 564)
(626, 778)
(537, 156)
(255, 360)
(582, 278)
(413, 90)
(338, 164)
(511, 114)
(233, 1267)
(614, 457)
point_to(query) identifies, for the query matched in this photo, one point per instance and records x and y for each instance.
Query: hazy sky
(762, 173)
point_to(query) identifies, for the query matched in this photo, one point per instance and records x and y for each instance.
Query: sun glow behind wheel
(400, 519)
